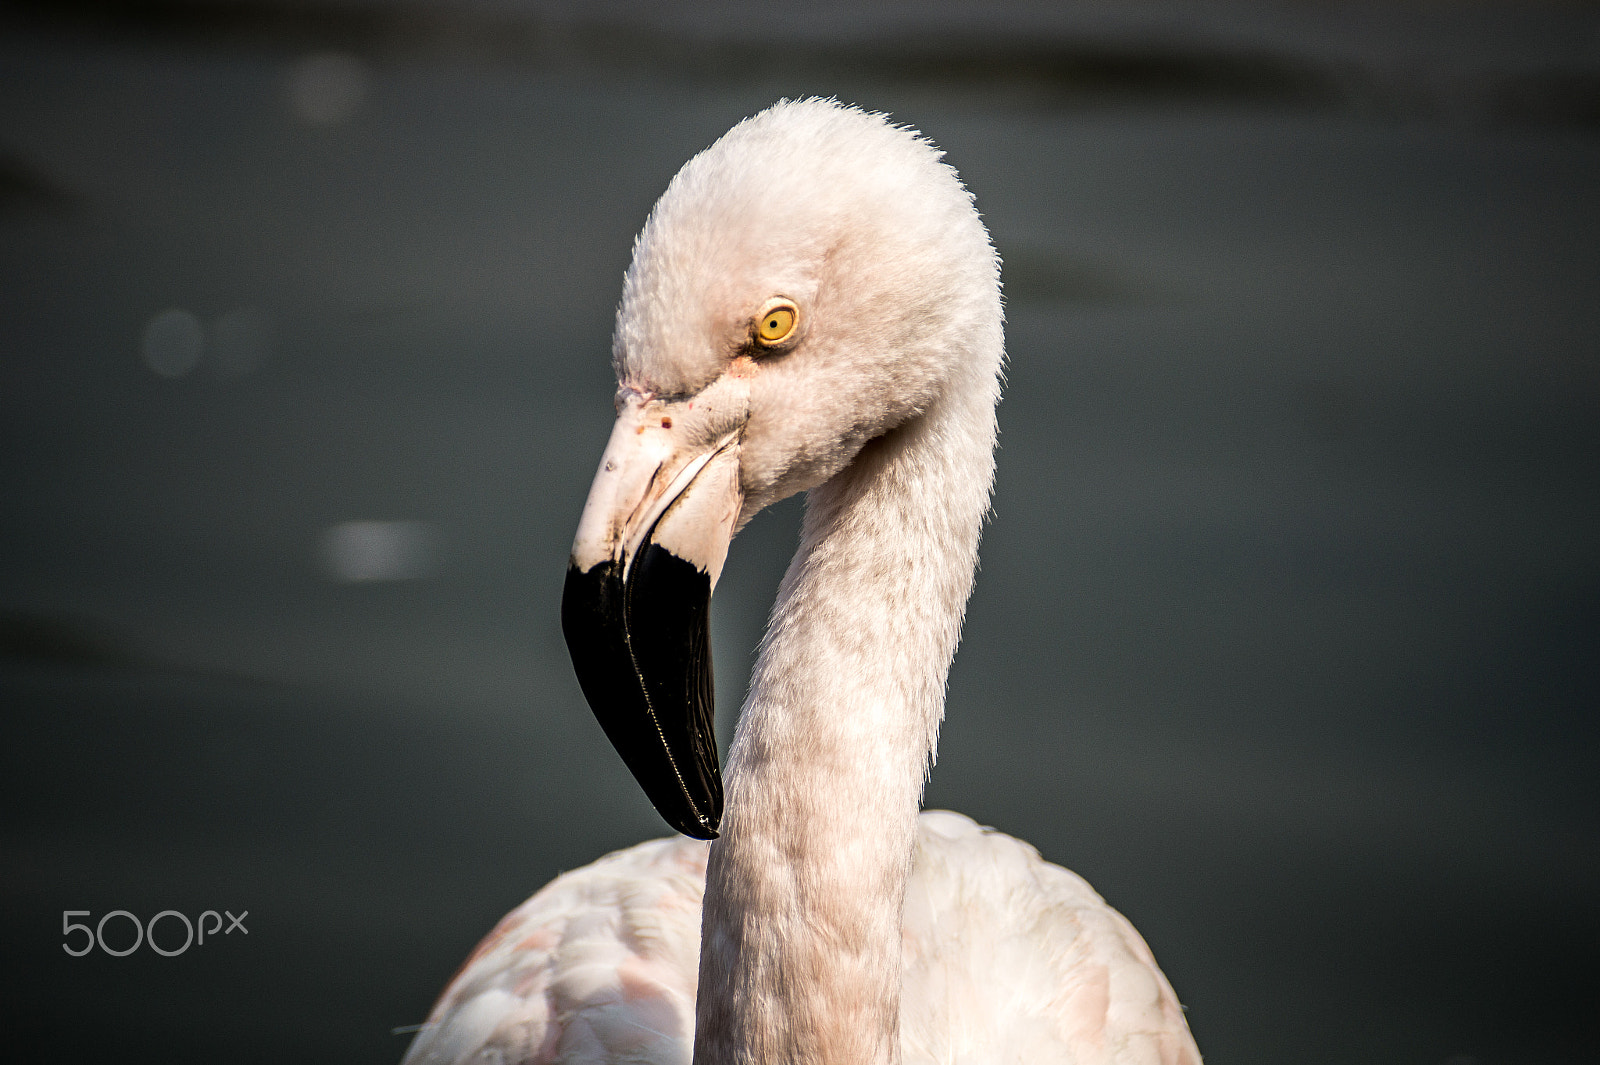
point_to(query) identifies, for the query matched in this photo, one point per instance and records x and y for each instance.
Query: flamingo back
(1007, 958)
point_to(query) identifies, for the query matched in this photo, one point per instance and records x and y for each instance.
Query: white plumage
(1006, 958)
(829, 923)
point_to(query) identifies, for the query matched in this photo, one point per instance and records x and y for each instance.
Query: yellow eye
(777, 322)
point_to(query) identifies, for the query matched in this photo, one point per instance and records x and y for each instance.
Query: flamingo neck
(800, 955)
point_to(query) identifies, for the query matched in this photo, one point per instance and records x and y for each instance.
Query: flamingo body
(1006, 958)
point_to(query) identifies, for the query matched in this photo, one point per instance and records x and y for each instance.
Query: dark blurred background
(1287, 630)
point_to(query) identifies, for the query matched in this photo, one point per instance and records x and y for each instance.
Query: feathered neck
(800, 956)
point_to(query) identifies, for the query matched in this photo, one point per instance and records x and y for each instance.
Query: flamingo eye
(777, 322)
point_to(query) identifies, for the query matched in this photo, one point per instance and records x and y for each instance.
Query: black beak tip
(642, 653)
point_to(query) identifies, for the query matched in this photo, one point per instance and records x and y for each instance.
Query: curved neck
(800, 955)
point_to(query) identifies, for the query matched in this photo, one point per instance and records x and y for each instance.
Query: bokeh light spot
(172, 342)
(355, 552)
(328, 88)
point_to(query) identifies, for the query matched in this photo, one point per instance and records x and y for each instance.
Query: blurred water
(1287, 619)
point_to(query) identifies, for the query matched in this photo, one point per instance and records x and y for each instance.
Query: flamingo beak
(637, 601)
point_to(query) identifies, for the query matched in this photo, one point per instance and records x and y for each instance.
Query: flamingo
(813, 306)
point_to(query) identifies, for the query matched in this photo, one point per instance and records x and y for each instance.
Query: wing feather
(599, 966)
(1007, 958)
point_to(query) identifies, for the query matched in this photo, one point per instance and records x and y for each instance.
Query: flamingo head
(814, 279)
